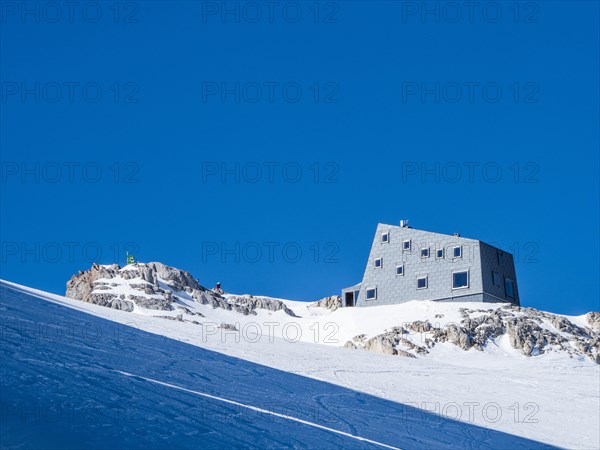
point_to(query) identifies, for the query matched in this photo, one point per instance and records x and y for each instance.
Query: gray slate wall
(478, 258)
(504, 266)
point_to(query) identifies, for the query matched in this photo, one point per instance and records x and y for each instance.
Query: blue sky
(260, 148)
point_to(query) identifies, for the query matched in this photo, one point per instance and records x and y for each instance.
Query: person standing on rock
(218, 289)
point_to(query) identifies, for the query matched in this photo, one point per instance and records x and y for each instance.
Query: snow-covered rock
(446, 398)
(413, 329)
(147, 287)
(529, 330)
(593, 319)
(334, 302)
(151, 286)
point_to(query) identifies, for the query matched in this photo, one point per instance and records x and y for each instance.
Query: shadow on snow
(62, 387)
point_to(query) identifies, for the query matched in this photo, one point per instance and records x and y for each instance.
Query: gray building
(407, 264)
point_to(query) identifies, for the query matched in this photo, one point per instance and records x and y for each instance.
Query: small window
(379, 263)
(425, 252)
(372, 294)
(495, 278)
(422, 282)
(457, 251)
(460, 280)
(400, 270)
(500, 258)
(385, 238)
(406, 245)
(439, 253)
(509, 287)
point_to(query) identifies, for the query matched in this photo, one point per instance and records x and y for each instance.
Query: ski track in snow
(289, 410)
(261, 410)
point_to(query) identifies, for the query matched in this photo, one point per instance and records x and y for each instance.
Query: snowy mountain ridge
(67, 351)
(413, 329)
(154, 286)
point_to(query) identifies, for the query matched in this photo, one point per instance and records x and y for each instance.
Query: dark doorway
(349, 298)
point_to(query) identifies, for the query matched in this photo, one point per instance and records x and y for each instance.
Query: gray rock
(350, 344)
(419, 326)
(111, 301)
(381, 344)
(525, 335)
(334, 302)
(178, 318)
(593, 318)
(389, 343)
(161, 304)
(82, 286)
(175, 278)
(247, 304)
(528, 330)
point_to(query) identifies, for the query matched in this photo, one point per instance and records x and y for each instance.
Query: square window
(379, 263)
(509, 287)
(500, 258)
(439, 253)
(457, 251)
(425, 252)
(422, 282)
(371, 294)
(400, 270)
(495, 278)
(406, 245)
(385, 238)
(460, 280)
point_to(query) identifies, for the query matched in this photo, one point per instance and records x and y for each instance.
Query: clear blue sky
(147, 94)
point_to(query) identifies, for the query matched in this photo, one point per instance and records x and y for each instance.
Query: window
(425, 252)
(509, 287)
(372, 294)
(379, 263)
(460, 280)
(439, 253)
(406, 245)
(500, 258)
(422, 282)
(400, 270)
(385, 238)
(495, 278)
(457, 251)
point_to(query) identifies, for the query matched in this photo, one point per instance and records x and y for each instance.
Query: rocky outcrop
(155, 286)
(149, 286)
(419, 326)
(593, 319)
(390, 343)
(529, 330)
(80, 286)
(332, 303)
(110, 301)
(244, 304)
(177, 279)
(248, 304)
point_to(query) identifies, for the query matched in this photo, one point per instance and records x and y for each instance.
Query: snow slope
(57, 352)
(411, 329)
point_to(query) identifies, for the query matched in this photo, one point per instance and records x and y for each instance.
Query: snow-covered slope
(413, 329)
(322, 396)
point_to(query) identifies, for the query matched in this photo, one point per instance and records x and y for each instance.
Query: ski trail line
(261, 410)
